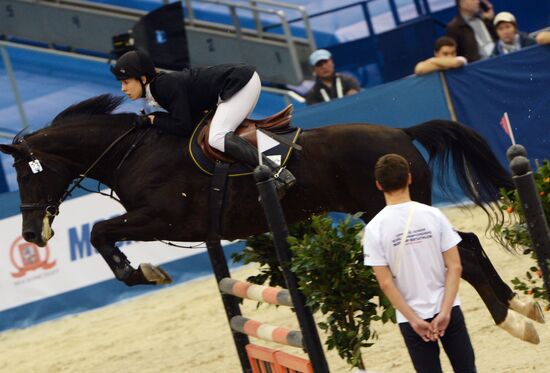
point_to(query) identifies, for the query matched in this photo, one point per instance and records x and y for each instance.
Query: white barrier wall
(29, 273)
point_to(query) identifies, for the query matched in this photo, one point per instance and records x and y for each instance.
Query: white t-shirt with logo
(418, 269)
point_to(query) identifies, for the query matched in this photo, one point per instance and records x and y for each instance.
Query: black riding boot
(240, 149)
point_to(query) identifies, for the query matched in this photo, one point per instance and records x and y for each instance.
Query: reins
(117, 169)
(92, 166)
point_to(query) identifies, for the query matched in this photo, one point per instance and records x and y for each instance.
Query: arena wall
(68, 275)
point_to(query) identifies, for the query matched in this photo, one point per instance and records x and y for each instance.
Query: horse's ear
(9, 149)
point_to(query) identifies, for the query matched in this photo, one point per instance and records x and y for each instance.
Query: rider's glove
(142, 121)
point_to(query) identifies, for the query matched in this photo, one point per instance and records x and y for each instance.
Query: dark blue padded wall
(401, 103)
(516, 83)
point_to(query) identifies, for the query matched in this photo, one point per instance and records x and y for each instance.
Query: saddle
(276, 123)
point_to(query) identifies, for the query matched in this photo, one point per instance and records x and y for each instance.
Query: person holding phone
(473, 30)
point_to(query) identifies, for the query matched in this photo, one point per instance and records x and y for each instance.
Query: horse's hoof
(155, 274)
(530, 308)
(520, 328)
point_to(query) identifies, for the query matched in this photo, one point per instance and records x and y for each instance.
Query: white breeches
(231, 113)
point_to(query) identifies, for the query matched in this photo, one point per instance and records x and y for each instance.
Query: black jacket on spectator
(187, 94)
(465, 38)
(314, 95)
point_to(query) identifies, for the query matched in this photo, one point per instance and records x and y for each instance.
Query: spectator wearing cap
(472, 28)
(444, 57)
(329, 85)
(510, 39)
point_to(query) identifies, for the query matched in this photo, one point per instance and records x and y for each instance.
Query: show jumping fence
(257, 359)
(532, 209)
(266, 360)
(263, 359)
(246, 290)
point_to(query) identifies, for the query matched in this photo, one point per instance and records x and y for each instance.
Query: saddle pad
(240, 169)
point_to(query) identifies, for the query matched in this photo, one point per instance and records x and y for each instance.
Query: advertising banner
(69, 264)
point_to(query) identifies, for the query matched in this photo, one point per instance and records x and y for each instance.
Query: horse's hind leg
(480, 273)
(130, 226)
(529, 308)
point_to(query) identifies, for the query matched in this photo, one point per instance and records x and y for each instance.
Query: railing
(95, 7)
(256, 11)
(286, 94)
(422, 8)
(13, 83)
(9, 70)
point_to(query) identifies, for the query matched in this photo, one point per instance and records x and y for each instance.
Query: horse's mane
(98, 105)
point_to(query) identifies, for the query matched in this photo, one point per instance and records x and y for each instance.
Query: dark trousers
(456, 342)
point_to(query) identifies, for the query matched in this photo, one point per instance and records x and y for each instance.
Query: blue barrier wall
(481, 92)
(401, 103)
(516, 83)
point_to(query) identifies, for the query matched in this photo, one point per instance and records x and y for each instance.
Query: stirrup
(284, 180)
(285, 177)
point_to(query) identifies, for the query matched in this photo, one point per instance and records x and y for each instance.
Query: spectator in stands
(473, 30)
(510, 39)
(444, 57)
(328, 84)
(543, 37)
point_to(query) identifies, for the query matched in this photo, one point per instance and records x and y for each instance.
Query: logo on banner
(26, 257)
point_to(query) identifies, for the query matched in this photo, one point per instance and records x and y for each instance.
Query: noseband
(51, 208)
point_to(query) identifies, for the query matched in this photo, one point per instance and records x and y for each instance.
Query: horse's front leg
(497, 296)
(134, 226)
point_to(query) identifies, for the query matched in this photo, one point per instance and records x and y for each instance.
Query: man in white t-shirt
(412, 249)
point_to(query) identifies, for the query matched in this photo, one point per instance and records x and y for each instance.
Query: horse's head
(42, 182)
(43, 174)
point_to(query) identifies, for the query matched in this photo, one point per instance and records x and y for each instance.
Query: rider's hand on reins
(142, 121)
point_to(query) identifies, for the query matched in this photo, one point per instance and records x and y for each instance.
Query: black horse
(166, 195)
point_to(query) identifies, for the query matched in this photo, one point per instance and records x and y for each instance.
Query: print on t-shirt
(414, 237)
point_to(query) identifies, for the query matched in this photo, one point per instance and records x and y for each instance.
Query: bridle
(51, 207)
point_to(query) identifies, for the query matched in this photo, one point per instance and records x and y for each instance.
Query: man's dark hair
(444, 41)
(392, 172)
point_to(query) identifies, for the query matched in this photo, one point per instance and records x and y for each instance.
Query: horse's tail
(453, 146)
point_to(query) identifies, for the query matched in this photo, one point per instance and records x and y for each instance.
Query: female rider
(177, 101)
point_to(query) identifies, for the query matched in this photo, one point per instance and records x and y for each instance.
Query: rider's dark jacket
(187, 94)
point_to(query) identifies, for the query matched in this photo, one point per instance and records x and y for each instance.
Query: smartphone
(483, 6)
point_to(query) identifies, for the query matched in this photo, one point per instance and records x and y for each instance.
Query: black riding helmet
(134, 64)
